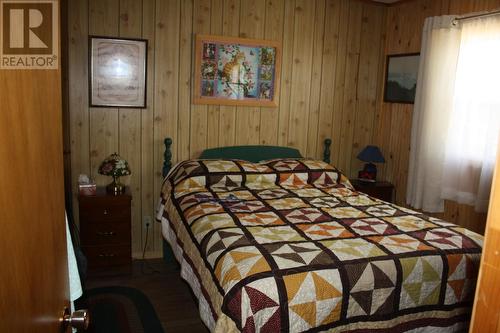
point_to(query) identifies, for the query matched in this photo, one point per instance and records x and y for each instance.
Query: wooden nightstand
(380, 189)
(105, 234)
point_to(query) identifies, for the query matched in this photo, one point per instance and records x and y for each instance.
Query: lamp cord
(151, 269)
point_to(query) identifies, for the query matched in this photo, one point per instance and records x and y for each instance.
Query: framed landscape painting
(236, 71)
(401, 78)
(117, 72)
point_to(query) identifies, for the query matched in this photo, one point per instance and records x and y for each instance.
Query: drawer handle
(105, 212)
(107, 255)
(106, 233)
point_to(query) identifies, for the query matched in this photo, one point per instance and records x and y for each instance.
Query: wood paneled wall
(331, 86)
(332, 67)
(393, 124)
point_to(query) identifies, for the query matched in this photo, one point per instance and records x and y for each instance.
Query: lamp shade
(371, 154)
(114, 165)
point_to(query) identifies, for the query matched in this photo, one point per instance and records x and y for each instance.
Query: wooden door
(486, 311)
(33, 260)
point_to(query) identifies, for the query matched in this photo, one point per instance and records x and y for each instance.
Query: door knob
(80, 319)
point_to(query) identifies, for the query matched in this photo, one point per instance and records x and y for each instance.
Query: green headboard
(251, 153)
(247, 153)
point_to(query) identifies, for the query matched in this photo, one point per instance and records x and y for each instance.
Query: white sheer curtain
(456, 115)
(433, 105)
(474, 122)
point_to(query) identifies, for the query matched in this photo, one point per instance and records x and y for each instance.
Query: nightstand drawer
(105, 233)
(380, 189)
(101, 211)
(107, 256)
(379, 193)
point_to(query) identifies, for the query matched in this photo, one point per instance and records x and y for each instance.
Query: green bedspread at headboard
(251, 153)
(247, 153)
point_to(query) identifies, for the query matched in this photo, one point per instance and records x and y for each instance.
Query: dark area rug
(119, 310)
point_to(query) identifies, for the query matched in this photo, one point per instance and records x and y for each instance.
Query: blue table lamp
(370, 155)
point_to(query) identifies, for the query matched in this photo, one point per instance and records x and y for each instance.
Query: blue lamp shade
(371, 154)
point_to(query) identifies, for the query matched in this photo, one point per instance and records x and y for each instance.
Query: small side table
(105, 232)
(380, 189)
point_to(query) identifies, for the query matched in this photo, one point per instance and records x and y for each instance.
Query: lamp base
(115, 187)
(369, 173)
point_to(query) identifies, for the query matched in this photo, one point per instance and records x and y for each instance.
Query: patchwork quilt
(289, 245)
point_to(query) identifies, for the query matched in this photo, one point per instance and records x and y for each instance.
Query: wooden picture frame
(117, 72)
(401, 78)
(236, 71)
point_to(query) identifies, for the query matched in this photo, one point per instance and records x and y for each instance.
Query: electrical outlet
(147, 221)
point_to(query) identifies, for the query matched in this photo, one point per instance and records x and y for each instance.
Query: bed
(270, 241)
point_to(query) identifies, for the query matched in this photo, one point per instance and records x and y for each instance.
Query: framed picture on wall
(236, 71)
(401, 78)
(117, 72)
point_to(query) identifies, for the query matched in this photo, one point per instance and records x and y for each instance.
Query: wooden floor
(171, 297)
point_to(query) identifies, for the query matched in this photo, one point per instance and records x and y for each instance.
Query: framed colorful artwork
(117, 72)
(236, 71)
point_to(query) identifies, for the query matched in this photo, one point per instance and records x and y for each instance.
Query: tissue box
(87, 189)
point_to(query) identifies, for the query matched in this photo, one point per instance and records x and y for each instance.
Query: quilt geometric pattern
(195, 198)
(372, 286)
(239, 263)
(305, 215)
(422, 278)
(445, 239)
(291, 246)
(409, 223)
(370, 226)
(290, 255)
(462, 275)
(255, 219)
(273, 193)
(353, 248)
(221, 240)
(314, 298)
(205, 224)
(257, 306)
(236, 196)
(325, 230)
(323, 201)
